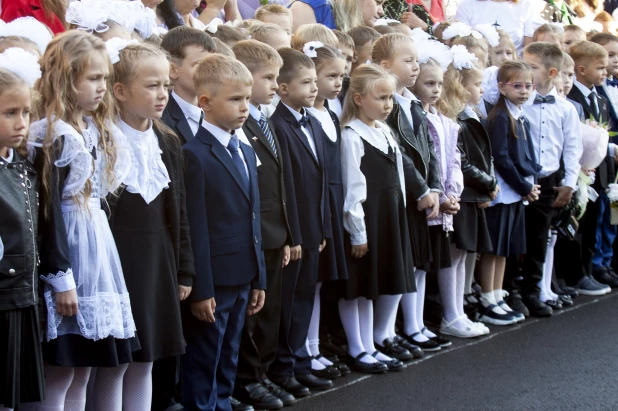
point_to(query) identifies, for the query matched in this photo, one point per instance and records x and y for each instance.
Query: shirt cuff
(612, 149)
(425, 194)
(359, 238)
(61, 281)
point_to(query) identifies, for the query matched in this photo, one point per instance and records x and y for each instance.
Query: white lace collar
(149, 175)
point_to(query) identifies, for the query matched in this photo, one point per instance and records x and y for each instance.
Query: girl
(516, 169)
(330, 68)
(84, 159)
(505, 50)
(149, 224)
(22, 359)
(462, 92)
(377, 240)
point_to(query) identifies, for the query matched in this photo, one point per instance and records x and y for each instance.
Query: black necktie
(613, 82)
(547, 99)
(304, 121)
(594, 105)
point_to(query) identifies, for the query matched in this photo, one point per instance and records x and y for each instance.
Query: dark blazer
(273, 202)
(476, 161)
(224, 217)
(307, 185)
(175, 207)
(175, 119)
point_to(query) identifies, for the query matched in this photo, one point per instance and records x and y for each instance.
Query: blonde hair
(255, 55)
(222, 48)
(384, 47)
(248, 24)
(586, 51)
(293, 62)
(574, 27)
(313, 32)
(8, 81)
(230, 35)
(505, 41)
(264, 31)
(546, 29)
(455, 97)
(384, 30)
(362, 35)
(66, 59)
(272, 9)
(364, 80)
(567, 61)
(344, 40)
(348, 14)
(217, 69)
(19, 42)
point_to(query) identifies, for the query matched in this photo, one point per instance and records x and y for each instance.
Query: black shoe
(519, 316)
(566, 300)
(415, 350)
(331, 348)
(568, 291)
(428, 346)
(367, 368)
(314, 383)
(602, 276)
(612, 273)
(554, 304)
(391, 349)
(393, 364)
(258, 396)
(442, 342)
(239, 406)
(292, 386)
(537, 307)
(342, 367)
(515, 302)
(328, 373)
(285, 397)
(489, 316)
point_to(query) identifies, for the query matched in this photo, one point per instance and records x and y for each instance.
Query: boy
(302, 145)
(223, 209)
(556, 137)
(258, 346)
(363, 37)
(270, 34)
(186, 46)
(572, 34)
(275, 14)
(548, 33)
(568, 75)
(345, 44)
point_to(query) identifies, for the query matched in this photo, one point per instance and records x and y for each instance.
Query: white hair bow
(30, 28)
(384, 22)
(310, 49)
(115, 45)
(462, 58)
(460, 29)
(432, 49)
(21, 63)
(490, 33)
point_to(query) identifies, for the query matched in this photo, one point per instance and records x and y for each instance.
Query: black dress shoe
(258, 396)
(602, 276)
(327, 373)
(368, 368)
(391, 349)
(285, 397)
(537, 307)
(566, 300)
(515, 302)
(239, 406)
(416, 351)
(554, 304)
(292, 386)
(314, 383)
(342, 367)
(612, 273)
(393, 364)
(442, 342)
(428, 346)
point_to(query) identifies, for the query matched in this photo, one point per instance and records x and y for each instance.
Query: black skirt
(440, 249)
(22, 378)
(73, 350)
(471, 232)
(332, 259)
(507, 229)
(419, 235)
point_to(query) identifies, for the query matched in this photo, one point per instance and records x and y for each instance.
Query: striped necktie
(269, 135)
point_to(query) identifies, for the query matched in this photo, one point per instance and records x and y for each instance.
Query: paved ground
(568, 362)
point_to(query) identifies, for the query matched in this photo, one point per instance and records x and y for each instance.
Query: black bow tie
(547, 99)
(612, 82)
(304, 121)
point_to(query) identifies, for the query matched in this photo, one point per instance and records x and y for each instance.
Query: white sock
(420, 304)
(470, 265)
(408, 307)
(350, 319)
(313, 335)
(499, 294)
(315, 364)
(137, 386)
(365, 311)
(549, 265)
(108, 387)
(488, 299)
(385, 309)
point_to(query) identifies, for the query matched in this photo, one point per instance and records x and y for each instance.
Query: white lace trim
(61, 281)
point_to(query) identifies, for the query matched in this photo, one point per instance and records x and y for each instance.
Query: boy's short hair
(230, 35)
(574, 27)
(550, 54)
(293, 62)
(247, 24)
(255, 55)
(586, 51)
(272, 9)
(222, 48)
(176, 41)
(217, 69)
(344, 40)
(313, 32)
(385, 30)
(362, 35)
(603, 38)
(263, 31)
(567, 61)
(546, 28)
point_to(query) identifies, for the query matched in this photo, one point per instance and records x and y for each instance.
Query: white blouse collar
(513, 109)
(9, 157)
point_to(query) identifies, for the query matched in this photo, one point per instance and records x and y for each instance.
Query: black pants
(258, 344)
(165, 383)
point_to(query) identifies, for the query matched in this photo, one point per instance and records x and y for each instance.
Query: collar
(221, 135)
(9, 159)
(295, 113)
(585, 90)
(255, 112)
(513, 109)
(409, 95)
(404, 98)
(133, 134)
(467, 113)
(189, 110)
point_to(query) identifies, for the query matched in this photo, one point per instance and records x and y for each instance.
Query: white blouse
(328, 125)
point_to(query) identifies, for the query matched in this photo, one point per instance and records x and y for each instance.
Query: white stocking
(313, 336)
(57, 383)
(548, 266)
(350, 319)
(365, 312)
(448, 279)
(137, 386)
(108, 387)
(76, 395)
(385, 316)
(470, 265)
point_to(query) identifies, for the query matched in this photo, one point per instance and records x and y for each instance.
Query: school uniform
(224, 219)
(556, 139)
(258, 346)
(182, 117)
(302, 145)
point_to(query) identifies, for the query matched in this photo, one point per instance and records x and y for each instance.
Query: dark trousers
(258, 343)
(539, 215)
(299, 281)
(209, 365)
(165, 377)
(605, 234)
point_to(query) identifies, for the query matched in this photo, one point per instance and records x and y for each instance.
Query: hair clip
(21, 63)
(490, 33)
(462, 58)
(432, 49)
(310, 49)
(115, 45)
(30, 28)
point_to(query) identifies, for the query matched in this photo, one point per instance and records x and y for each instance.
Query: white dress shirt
(192, 113)
(405, 100)
(336, 107)
(328, 125)
(305, 130)
(555, 134)
(224, 138)
(354, 182)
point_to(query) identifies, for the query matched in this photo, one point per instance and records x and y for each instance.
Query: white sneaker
(467, 331)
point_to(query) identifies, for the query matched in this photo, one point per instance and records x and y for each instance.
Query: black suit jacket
(175, 119)
(307, 185)
(273, 203)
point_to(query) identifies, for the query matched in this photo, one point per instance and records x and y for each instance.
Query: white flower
(30, 28)
(419, 34)
(490, 33)
(213, 26)
(462, 58)
(88, 15)
(457, 29)
(21, 63)
(432, 49)
(310, 49)
(115, 45)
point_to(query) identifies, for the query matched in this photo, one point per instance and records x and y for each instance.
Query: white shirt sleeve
(354, 186)
(572, 149)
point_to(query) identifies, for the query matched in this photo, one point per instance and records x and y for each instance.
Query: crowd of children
(232, 216)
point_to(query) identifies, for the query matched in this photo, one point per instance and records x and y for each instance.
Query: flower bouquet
(594, 141)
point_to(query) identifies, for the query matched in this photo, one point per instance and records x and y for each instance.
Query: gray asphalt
(567, 362)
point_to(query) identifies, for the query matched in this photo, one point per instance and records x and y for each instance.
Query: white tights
(65, 389)
(545, 284)
(412, 306)
(357, 320)
(451, 282)
(128, 386)
(313, 336)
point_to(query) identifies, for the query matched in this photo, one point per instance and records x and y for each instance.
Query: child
(516, 170)
(258, 345)
(229, 35)
(186, 47)
(556, 138)
(275, 14)
(84, 159)
(505, 50)
(573, 34)
(34, 33)
(345, 44)
(363, 37)
(224, 217)
(313, 32)
(397, 54)
(270, 34)
(302, 143)
(559, 84)
(22, 359)
(550, 33)
(377, 239)
(478, 47)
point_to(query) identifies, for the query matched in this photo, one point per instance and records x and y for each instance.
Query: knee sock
(470, 265)
(365, 311)
(420, 304)
(350, 319)
(57, 383)
(76, 395)
(385, 314)
(137, 386)
(410, 306)
(488, 299)
(315, 364)
(313, 336)
(108, 387)
(545, 283)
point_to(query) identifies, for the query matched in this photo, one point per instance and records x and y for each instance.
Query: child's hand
(425, 202)
(183, 292)
(322, 245)
(286, 255)
(359, 251)
(564, 196)
(494, 193)
(587, 172)
(204, 310)
(435, 209)
(256, 301)
(296, 253)
(66, 303)
(484, 205)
